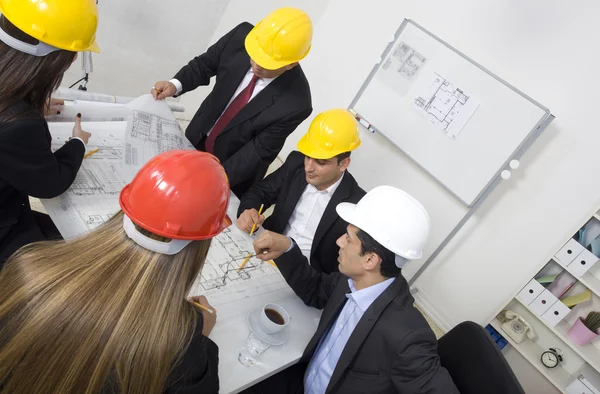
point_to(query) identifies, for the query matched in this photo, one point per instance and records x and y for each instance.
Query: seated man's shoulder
(357, 192)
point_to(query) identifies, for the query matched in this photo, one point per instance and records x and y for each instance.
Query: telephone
(517, 328)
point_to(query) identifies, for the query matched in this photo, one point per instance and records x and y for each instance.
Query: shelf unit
(576, 357)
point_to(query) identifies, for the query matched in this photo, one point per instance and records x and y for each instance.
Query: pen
(254, 225)
(199, 305)
(91, 153)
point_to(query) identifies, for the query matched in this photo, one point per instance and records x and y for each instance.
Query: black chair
(475, 363)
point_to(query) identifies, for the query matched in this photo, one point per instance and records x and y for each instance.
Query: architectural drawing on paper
(400, 68)
(446, 106)
(148, 135)
(404, 60)
(220, 280)
(93, 198)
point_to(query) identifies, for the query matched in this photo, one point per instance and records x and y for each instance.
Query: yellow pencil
(272, 263)
(245, 261)
(91, 153)
(199, 305)
(254, 225)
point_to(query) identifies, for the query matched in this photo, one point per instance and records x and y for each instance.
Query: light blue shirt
(321, 366)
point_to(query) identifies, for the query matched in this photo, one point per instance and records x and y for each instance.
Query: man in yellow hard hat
(308, 187)
(260, 96)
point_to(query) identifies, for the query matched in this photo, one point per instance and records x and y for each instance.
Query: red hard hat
(179, 194)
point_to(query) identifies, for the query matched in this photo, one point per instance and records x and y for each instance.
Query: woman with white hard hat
(39, 39)
(107, 312)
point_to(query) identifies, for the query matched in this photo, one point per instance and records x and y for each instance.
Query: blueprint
(220, 280)
(445, 105)
(151, 129)
(94, 195)
(400, 68)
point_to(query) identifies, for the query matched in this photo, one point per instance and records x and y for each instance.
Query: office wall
(146, 40)
(541, 48)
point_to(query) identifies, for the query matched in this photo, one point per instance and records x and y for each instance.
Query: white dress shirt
(307, 214)
(330, 348)
(261, 83)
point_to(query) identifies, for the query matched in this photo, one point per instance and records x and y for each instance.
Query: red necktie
(236, 105)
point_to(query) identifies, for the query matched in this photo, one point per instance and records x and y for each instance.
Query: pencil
(254, 225)
(91, 153)
(199, 305)
(244, 263)
(272, 263)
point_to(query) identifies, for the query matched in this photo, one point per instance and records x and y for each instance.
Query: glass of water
(253, 348)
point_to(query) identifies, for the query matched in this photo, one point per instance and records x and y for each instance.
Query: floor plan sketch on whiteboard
(220, 280)
(446, 106)
(401, 67)
(93, 198)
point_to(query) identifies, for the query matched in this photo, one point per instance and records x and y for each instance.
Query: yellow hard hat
(330, 133)
(283, 37)
(62, 24)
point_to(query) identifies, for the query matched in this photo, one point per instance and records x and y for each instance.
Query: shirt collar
(365, 297)
(265, 80)
(329, 191)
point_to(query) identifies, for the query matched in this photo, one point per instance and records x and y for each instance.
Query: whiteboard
(453, 118)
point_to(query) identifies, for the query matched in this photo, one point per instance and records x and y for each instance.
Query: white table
(230, 335)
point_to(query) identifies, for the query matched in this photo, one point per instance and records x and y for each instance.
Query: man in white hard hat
(371, 339)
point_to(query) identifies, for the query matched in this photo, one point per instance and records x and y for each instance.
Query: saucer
(279, 338)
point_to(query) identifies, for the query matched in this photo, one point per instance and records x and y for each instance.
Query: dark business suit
(29, 168)
(284, 188)
(391, 350)
(253, 139)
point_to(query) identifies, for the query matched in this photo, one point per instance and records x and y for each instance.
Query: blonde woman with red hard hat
(39, 40)
(107, 312)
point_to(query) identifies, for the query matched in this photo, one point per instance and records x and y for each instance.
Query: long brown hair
(99, 311)
(26, 77)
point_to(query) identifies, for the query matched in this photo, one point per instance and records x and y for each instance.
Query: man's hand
(79, 132)
(210, 319)
(52, 106)
(163, 89)
(249, 218)
(271, 245)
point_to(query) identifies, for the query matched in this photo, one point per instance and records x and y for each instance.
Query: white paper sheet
(93, 197)
(220, 280)
(445, 105)
(151, 129)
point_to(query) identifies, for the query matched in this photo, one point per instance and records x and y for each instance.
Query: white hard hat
(393, 218)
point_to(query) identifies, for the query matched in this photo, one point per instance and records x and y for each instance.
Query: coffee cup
(273, 318)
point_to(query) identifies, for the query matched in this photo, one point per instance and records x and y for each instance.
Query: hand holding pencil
(209, 314)
(250, 219)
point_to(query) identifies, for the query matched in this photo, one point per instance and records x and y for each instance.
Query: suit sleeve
(201, 69)
(266, 191)
(314, 288)
(263, 148)
(417, 368)
(28, 164)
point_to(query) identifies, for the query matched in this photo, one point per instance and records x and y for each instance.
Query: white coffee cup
(270, 325)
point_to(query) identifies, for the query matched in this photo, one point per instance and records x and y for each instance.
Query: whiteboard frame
(533, 133)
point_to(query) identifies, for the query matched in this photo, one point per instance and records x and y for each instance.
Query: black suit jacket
(29, 168)
(391, 350)
(284, 188)
(253, 139)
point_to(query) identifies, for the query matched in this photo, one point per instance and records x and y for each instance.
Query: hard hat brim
(308, 149)
(94, 48)
(260, 57)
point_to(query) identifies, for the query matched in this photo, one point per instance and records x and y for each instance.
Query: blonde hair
(99, 311)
